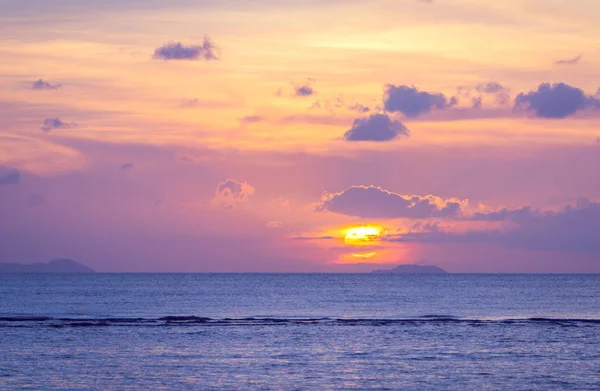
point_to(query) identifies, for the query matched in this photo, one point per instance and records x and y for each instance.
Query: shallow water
(295, 331)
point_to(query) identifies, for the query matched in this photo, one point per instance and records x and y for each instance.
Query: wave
(61, 322)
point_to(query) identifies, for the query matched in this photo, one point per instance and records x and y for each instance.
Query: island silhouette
(54, 266)
(412, 269)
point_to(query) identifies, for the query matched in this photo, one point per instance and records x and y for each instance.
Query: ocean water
(299, 331)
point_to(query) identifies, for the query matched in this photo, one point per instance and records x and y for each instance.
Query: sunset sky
(254, 136)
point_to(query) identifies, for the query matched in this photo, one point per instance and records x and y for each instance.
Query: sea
(299, 332)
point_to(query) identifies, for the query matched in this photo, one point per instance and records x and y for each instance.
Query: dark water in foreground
(283, 331)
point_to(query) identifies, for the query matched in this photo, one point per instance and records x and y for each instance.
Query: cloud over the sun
(177, 51)
(375, 202)
(411, 102)
(376, 127)
(557, 100)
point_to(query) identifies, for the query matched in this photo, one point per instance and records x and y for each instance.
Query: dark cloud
(10, 178)
(251, 119)
(44, 85)
(36, 199)
(569, 61)
(229, 193)
(304, 90)
(477, 102)
(377, 127)
(504, 214)
(411, 102)
(126, 166)
(573, 229)
(491, 88)
(55, 123)
(554, 100)
(375, 202)
(177, 51)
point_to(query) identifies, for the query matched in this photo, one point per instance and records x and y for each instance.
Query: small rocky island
(55, 266)
(412, 269)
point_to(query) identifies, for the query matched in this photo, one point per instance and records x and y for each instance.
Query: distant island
(412, 269)
(55, 266)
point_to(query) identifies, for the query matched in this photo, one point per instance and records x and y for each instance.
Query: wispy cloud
(569, 61)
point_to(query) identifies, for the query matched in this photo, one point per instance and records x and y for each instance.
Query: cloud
(44, 85)
(126, 166)
(304, 90)
(554, 100)
(229, 193)
(477, 102)
(490, 88)
(569, 61)
(177, 51)
(274, 224)
(377, 127)
(339, 103)
(10, 178)
(504, 214)
(411, 102)
(55, 123)
(251, 119)
(375, 202)
(359, 108)
(35, 199)
(573, 229)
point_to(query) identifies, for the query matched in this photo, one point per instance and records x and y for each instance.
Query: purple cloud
(491, 88)
(304, 90)
(573, 229)
(230, 192)
(377, 127)
(569, 61)
(411, 102)
(375, 202)
(554, 101)
(55, 123)
(177, 51)
(126, 166)
(251, 119)
(44, 85)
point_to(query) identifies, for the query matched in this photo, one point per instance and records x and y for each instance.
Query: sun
(361, 236)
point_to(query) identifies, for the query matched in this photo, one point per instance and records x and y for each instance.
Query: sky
(301, 136)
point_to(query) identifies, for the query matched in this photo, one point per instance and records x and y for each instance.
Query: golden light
(362, 236)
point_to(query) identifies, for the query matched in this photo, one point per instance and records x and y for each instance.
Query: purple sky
(252, 136)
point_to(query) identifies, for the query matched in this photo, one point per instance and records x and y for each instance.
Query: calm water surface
(295, 331)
